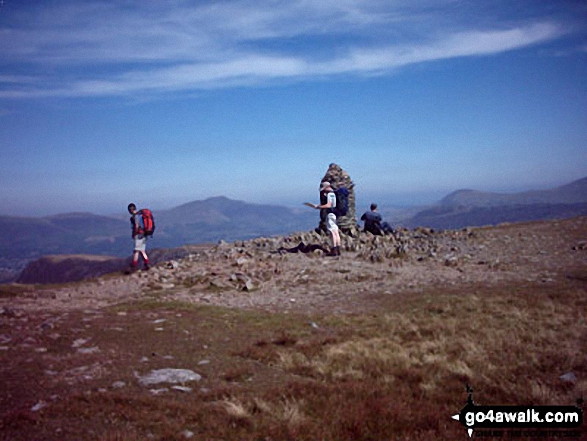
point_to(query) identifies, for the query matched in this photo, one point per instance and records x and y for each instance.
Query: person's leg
(135, 260)
(146, 259)
(334, 234)
(332, 251)
(140, 244)
(336, 238)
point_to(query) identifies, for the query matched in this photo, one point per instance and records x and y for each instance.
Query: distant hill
(24, 239)
(573, 193)
(474, 208)
(65, 268)
(219, 218)
(71, 233)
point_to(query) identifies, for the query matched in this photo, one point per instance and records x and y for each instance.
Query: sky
(104, 102)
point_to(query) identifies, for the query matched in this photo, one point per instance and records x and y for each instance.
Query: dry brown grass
(476, 338)
(395, 374)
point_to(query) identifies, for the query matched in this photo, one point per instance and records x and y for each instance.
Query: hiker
(373, 222)
(138, 234)
(328, 207)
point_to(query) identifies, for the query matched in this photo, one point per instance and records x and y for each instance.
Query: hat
(324, 185)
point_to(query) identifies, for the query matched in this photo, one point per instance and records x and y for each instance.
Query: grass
(399, 373)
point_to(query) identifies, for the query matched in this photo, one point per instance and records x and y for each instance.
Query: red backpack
(148, 222)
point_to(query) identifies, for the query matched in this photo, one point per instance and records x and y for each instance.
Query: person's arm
(328, 204)
(133, 226)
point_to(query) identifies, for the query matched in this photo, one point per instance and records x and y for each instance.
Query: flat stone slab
(169, 376)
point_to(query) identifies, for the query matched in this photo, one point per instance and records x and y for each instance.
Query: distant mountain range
(220, 218)
(465, 208)
(209, 220)
(573, 193)
(24, 239)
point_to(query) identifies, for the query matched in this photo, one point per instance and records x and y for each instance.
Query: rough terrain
(254, 274)
(262, 343)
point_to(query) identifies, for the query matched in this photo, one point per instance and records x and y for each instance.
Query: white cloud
(101, 49)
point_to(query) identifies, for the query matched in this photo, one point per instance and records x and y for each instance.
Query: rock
(159, 391)
(218, 283)
(451, 261)
(173, 265)
(80, 342)
(242, 261)
(569, 377)
(118, 384)
(169, 376)
(182, 388)
(92, 350)
(249, 286)
(40, 405)
(8, 312)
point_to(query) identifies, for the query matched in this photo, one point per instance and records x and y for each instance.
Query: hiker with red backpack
(330, 208)
(142, 225)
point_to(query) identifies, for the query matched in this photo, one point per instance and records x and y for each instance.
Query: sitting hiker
(373, 222)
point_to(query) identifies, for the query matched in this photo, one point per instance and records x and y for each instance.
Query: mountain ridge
(572, 193)
(466, 207)
(219, 218)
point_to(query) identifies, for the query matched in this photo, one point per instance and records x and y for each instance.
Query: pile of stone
(248, 265)
(339, 178)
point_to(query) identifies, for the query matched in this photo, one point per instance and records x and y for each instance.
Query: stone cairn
(339, 178)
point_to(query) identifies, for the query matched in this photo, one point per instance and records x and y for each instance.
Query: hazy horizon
(104, 102)
(385, 202)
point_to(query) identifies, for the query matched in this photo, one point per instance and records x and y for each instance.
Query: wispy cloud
(117, 49)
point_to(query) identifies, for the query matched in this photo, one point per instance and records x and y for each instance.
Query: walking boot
(332, 252)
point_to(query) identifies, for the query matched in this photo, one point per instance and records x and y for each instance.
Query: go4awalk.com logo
(565, 420)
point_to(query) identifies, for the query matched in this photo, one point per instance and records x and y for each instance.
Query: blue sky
(164, 102)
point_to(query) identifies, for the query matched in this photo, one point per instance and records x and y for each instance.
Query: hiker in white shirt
(331, 225)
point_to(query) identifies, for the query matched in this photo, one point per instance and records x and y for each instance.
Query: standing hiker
(139, 236)
(328, 207)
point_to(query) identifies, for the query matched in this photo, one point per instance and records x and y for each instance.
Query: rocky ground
(84, 360)
(261, 273)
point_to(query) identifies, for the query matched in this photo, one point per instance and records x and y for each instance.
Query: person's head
(325, 186)
(373, 207)
(132, 208)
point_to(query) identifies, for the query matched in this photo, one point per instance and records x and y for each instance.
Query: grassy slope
(397, 374)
